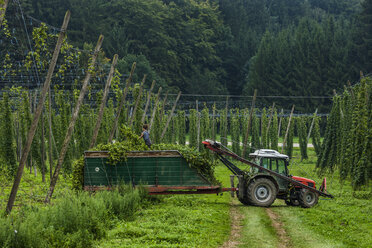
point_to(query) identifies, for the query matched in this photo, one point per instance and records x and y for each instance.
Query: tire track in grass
(236, 225)
(284, 239)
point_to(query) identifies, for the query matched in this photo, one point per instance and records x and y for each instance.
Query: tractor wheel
(307, 198)
(261, 192)
(243, 200)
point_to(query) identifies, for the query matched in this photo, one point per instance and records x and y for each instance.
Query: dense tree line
(281, 47)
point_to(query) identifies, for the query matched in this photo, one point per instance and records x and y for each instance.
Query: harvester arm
(216, 147)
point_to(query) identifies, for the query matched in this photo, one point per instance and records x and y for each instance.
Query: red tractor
(268, 179)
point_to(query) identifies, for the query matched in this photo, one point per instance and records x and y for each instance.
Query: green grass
(344, 221)
(203, 220)
(177, 221)
(257, 231)
(31, 189)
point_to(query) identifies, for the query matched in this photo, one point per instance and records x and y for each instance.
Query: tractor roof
(267, 153)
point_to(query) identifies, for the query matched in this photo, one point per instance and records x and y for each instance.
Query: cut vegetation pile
(118, 151)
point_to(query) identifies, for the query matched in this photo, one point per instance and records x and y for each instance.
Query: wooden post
(71, 126)
(103, 102)
(280, 122)
(232, 185)
(164, 102)
(121, 104)
(311, 126)
(50, 135)
(198, 125)
(288, 126)
(35, 121)
(137, 100)
(2, 11)
(170, 115)
(42, 150)
(213, 124)
(249, 123)
(147, 102)
(268, 124)
(154, 110)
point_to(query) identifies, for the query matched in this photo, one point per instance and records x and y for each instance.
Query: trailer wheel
(307, 198)
(261, 192)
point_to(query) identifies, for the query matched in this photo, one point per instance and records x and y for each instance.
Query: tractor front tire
(307, 198)
(261, 192)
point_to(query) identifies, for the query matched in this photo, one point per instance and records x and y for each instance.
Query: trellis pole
(311, 126)
(148, 101)
(280, 122)
(213, 120)
(103, 102)
(137, 100)
(50, 135)
(71, 126)
(170, 115)
(268, 124)
(198, 125)
(249, 124)
(35, 121)
(121, 104)
(154, 110)
(288, 126)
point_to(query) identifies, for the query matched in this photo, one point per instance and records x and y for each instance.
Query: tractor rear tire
(243, 199)
(261, 192)
(307, 198)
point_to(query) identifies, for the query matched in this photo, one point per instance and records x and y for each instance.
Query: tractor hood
(305, 181)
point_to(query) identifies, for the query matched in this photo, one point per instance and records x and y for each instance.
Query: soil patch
(284, 240)
(236, 225)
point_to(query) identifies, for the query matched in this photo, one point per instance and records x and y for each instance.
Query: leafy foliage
(118, 152)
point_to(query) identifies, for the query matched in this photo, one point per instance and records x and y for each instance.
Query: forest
(282, 48)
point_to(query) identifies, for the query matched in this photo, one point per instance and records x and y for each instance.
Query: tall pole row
(35, 121)
(288, 126)
(249, 123)
(137, 100)
(71, 126)
(154, 109)
(103, 102)
(148, 101)
(121, 104)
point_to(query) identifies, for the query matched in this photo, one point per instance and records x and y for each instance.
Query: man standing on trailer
(145, 135)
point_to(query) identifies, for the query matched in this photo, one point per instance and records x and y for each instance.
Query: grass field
(204, 220)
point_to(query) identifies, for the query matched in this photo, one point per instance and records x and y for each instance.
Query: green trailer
(162, 172)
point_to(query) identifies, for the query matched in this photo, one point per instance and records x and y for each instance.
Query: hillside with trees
(281, 48)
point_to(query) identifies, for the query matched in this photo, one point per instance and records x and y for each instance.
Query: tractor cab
(270, 159)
